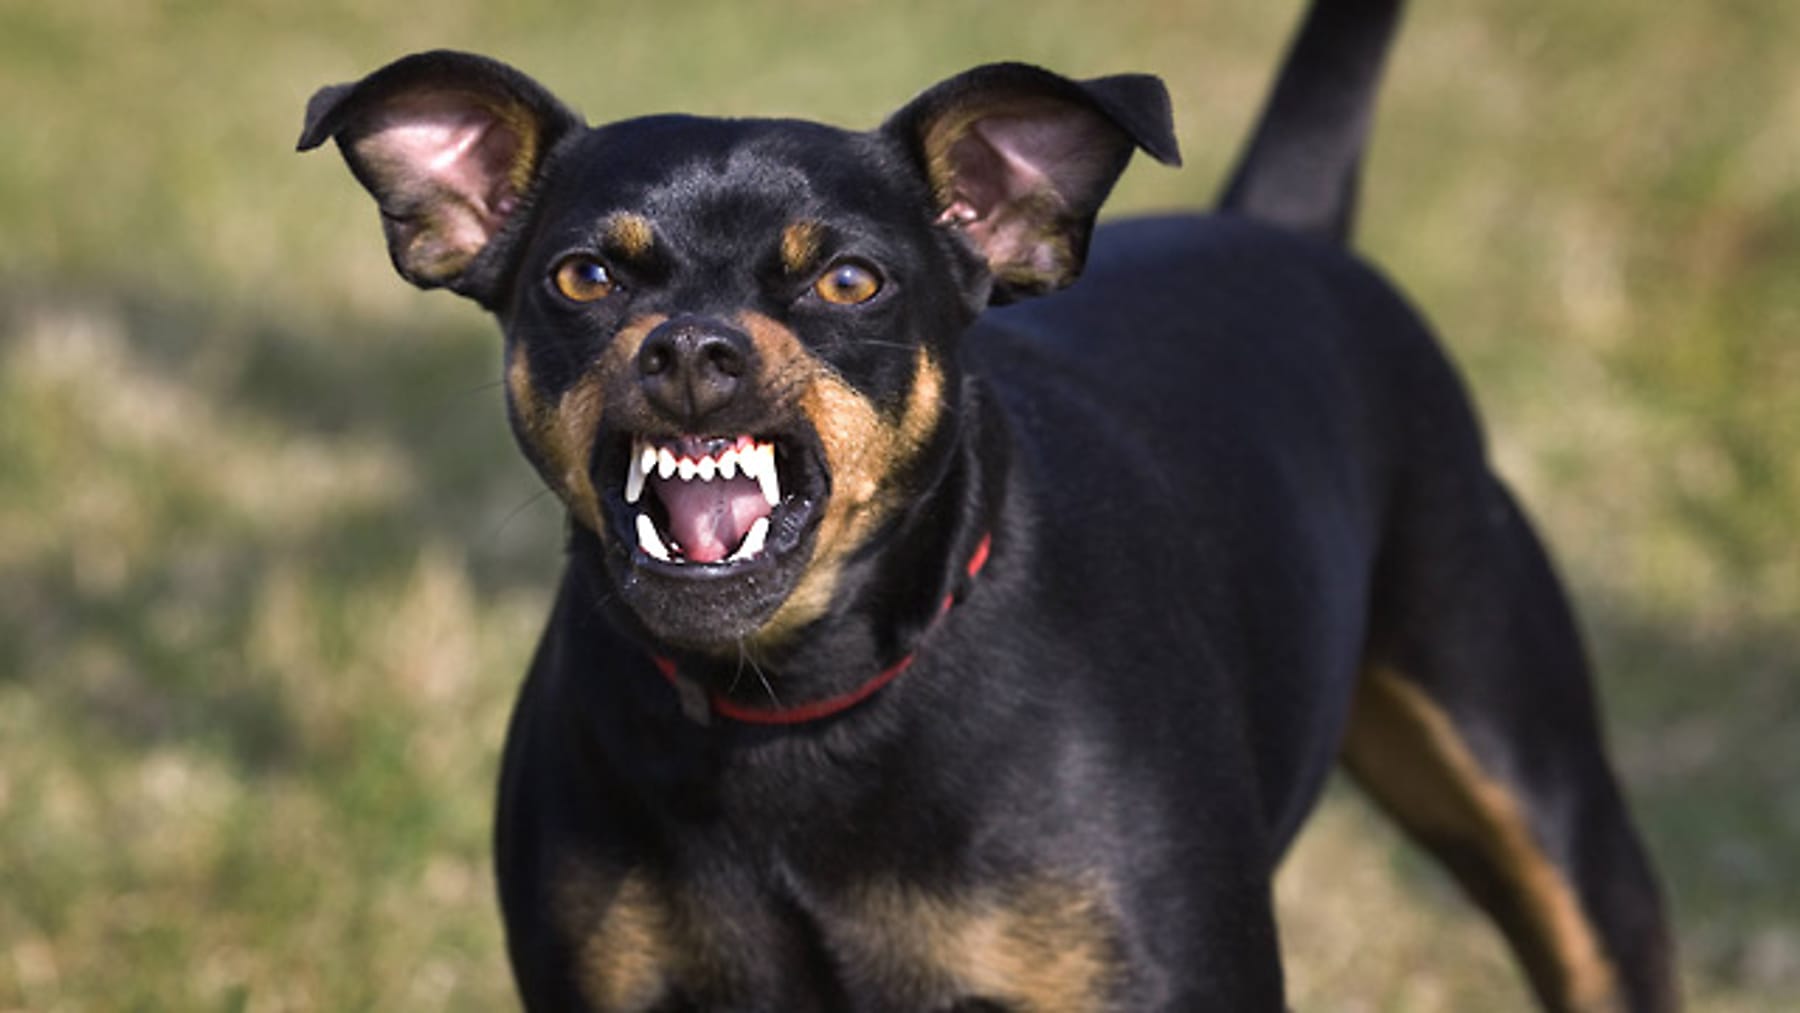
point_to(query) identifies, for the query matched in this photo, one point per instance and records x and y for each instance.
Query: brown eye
(583, 279)
(847, 284)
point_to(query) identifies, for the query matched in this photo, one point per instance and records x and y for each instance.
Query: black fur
(1221, 478)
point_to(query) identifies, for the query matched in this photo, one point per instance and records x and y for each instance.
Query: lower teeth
(753, 541)
(651, 541)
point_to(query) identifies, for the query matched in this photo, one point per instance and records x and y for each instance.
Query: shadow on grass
(1703, 723)
(150, 625)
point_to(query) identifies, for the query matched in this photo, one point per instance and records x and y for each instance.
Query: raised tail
(1300, 170)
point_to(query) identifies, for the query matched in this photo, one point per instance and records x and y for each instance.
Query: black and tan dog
(914, 654)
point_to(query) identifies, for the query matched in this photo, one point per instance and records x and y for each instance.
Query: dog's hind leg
(1475, 726)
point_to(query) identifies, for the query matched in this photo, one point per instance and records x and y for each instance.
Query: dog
(937, 634)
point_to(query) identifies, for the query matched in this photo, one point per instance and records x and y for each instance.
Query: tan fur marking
(524, 126)
(626, 950)
(1408, 753)
(864, 448)
(800, 246)
(629, 236)
(577, 416)
(1043, 946)
(924, 404)
(563, 434)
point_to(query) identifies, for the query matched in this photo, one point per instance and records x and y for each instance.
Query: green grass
(270, 568)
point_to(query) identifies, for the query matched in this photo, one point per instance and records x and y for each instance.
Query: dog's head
(731, 344)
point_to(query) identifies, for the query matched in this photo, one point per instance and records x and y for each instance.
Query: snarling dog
(937, 635)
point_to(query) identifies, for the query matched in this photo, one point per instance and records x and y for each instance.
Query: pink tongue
(709, 519)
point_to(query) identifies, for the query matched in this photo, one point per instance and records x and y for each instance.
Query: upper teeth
(754, 459)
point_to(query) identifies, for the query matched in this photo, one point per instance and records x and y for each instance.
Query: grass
(269, 567)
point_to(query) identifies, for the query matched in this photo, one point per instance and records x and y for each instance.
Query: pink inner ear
(448, 158)
(1056, 150)
(1011, 176)
(1015, 174)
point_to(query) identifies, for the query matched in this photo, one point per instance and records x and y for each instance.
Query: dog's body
(1012, 693)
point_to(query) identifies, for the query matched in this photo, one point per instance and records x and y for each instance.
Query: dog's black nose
(690, 367)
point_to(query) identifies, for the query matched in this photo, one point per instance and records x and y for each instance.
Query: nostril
(656, 356)
(723, 355)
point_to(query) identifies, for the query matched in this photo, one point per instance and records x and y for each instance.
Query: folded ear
(1020, 159)
(449, 144)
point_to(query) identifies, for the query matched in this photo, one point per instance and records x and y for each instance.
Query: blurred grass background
(269, 568)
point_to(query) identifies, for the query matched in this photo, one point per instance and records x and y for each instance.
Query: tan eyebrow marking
(800, 244)
(629, 235)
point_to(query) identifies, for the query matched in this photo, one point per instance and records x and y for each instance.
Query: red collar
(699, 704)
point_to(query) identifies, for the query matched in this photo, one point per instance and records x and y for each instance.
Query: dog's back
(1217, 414)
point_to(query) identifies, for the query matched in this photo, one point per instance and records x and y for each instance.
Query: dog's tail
(1300, 170)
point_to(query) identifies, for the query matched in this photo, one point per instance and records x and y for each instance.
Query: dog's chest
(1044, 944)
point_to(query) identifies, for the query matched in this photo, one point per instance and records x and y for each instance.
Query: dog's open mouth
(713, 503)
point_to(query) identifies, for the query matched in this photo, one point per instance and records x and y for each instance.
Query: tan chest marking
(1041, 946)
(1045, 945)
(637, 940)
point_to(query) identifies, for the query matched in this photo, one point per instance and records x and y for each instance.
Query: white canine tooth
(747, 462)
(707, 467)
(752, 545)
(649, 540)
(765, 474)
(728, 465)
(647, 459)
(686, 470)
(665, 463)
(634, 479)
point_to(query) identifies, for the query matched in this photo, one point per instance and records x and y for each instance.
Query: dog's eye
(847, 284)
(582, 279)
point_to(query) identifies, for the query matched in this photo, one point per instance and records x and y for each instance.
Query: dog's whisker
(478, 388)
(500, 526)
(768, 689)
(738, 674)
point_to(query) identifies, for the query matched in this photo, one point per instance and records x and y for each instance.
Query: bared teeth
(634, 483)
(765, 474)
(649, 540)
(747, 458)
(752, 545)
(635, 471)
(758, 462)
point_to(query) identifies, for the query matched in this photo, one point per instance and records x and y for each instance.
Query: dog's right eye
(847, 283)
(582, 279)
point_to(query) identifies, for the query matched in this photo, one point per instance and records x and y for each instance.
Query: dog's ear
(1020, 159)
(449, 144)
